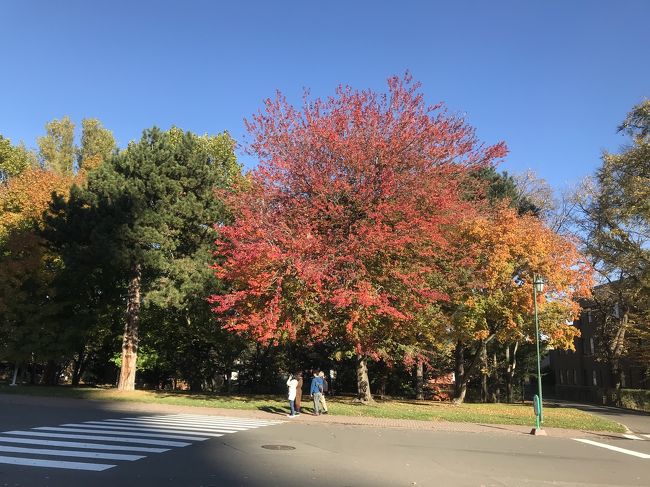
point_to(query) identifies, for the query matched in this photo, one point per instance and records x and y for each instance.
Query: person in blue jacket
(316, 391)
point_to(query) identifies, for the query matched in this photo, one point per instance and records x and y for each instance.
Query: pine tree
(146, 223)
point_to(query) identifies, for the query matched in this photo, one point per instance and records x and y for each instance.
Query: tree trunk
(463, 375)
(228, 381)
(78, 367)
(32, 372)
(23, 372)
(130, 339)
(617, 375)
(419, 380)
(256, 369)
(511, 362)
(363, 384)
(460, 386)
(16, 368)
(616, 351)
(484, 374)
(196, 384)
(383, 382)
(50, 375)
(495, 393)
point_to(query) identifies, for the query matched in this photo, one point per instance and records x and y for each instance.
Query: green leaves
(14, 159)
(616, 219)
(57, 146)
(97, 144)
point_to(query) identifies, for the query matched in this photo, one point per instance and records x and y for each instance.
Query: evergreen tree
(144, 224)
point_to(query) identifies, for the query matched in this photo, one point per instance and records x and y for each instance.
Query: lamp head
(539, 284)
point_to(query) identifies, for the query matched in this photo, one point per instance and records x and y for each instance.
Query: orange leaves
(28, 267)
(512, 248)
(509, 250)
(25, 197)
(481, 334)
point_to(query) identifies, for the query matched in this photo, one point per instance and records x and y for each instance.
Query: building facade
(583, 374)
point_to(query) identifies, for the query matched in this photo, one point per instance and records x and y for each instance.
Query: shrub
(636, 399)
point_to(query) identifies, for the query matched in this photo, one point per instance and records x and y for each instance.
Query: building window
(622, 379)
(588, 316)
(594, 377)
(561, 376)
(575, 376)
(617, 312)
(591, 345)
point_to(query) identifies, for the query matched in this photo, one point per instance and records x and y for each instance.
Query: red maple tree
(334, 232)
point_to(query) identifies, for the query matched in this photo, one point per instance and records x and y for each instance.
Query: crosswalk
(87, 445)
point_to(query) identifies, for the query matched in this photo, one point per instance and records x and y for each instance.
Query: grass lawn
(516, 414)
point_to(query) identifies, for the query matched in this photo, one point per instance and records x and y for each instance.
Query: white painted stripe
(214, 420)
(71, 453)
(85, 446)
(33, 462)
(180, 424)
(144, 429)
(121, 433)
(238, 427)
(632, 437)
(118, 439)
(225, 418)
(172, 426)
(234, 422)
(647, 436)
(219, 421)
(614, 448)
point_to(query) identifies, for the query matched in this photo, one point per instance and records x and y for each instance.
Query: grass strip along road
(510, 414)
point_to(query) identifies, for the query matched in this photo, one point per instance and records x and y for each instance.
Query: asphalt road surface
(638, 422)
(91, 444)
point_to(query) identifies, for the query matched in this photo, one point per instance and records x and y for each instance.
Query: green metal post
(539, 365)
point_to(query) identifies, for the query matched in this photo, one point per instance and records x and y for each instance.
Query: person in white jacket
(292, 384)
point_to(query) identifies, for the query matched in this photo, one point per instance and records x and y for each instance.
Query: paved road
(322, 454)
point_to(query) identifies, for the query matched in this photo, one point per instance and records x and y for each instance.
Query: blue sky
(552, 78)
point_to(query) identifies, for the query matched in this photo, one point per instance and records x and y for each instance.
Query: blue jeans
(292, 403)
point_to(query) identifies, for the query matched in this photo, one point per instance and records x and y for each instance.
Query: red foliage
(440, 388)
(334, 230)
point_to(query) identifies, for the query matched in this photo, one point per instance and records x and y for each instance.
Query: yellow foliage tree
(25, 197)
(508, 250)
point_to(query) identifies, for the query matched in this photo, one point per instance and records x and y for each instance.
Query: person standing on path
(292, 384)
(324, 391)
(298, 393)
(316, 391)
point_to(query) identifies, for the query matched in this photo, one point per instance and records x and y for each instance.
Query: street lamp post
(538, 286)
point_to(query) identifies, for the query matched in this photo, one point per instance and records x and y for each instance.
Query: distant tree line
(375, 238)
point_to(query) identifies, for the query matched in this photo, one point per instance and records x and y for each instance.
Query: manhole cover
(279, 447)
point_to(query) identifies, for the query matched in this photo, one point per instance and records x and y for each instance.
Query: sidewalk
(327, 419)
